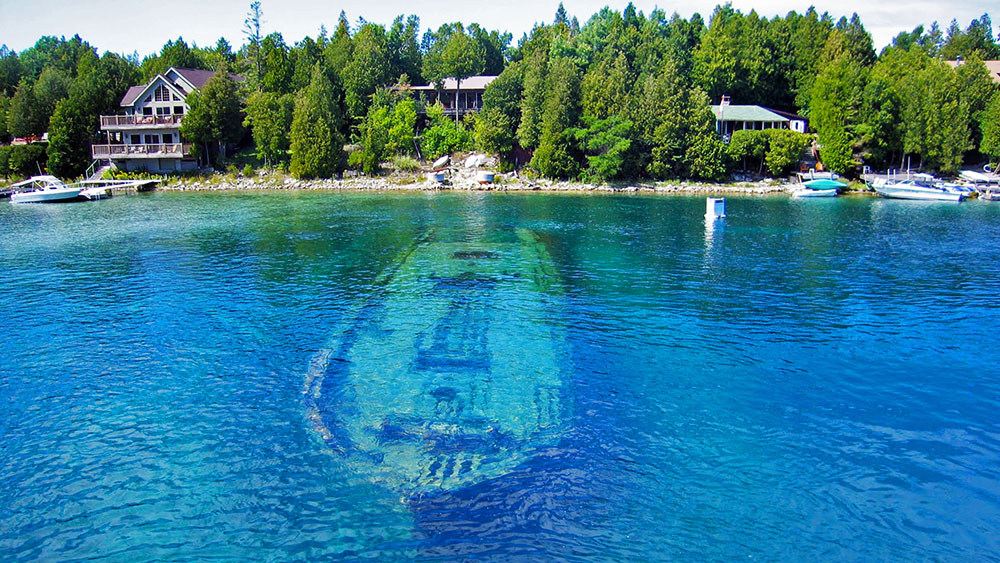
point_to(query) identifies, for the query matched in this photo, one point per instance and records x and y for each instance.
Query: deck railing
(142, 151)
(108, 121)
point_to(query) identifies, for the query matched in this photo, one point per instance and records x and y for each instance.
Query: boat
(44, 189)
(823, 187)
(450, 372)
(916, 189)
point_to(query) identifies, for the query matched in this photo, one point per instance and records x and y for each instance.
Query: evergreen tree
(835, 104)
(10, 71)
(990, 125)
(535, 71)
(340, 49)
(269, 115)
(368, 69)
(316, 143)
(404, 49)
(216, 114)
(456, 55)
(276, 68)
(252, 26)
(23, 118)
(556, 156)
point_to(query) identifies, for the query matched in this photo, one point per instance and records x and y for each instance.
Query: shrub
(784, 150)
(26, 160)
(444, 136)
(405, 163)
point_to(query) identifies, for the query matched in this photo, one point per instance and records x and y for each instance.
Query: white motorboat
(914, 189)
(823, 187)
(43, 189)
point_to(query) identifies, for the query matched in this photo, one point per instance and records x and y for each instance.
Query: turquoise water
(289, 376)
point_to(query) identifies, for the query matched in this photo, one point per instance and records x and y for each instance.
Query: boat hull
(451, 373)
(928, 195)
(806, 192)
(46, 196)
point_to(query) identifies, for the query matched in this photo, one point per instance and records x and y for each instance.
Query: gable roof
(992, 66)
(747, 113)
(194, 78)
(471, 83)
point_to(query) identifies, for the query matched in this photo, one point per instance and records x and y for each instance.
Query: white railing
(140, 120)
(141, 151)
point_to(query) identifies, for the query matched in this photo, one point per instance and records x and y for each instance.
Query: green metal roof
(747, 113)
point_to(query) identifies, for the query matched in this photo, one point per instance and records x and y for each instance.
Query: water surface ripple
(801, 380)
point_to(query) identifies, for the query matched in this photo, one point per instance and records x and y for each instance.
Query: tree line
(623, 95)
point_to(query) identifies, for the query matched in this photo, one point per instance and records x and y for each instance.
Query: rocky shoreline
(459, 183)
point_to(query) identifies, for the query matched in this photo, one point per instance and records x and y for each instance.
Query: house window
(147, 111)
(178, 110)
(162, 111)
(168, 138)
(136, 139)
(162, 94)
(152, 139)
(176, 99)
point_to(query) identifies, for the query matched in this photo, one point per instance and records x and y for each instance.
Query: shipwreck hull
(452, 372)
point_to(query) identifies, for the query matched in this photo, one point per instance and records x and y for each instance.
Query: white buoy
(715, 207)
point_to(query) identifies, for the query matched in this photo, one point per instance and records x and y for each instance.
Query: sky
(143, 28)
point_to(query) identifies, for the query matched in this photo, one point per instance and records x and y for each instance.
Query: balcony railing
(138, 121)
(170, 150)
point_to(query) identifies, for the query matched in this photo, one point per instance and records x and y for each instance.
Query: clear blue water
(801, 380)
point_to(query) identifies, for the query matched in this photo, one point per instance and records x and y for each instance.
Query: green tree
(316, 143)
(52, 86)
(444, 136)
(455, 55)
(174, 54)
(990, 125)
(304, 57)
(23, 118)
(252, 31)
(76, 118)
(556, 156)
(368, 69)
(836, 101)
(784, 150)
(605, 87)
(10, 71)
(276, 68)
(605, 144)
(705, 156)
(532, 103)
(404, 50)
(269, 115)
(216, 114)
(340, 49)
(748, 146)
(494, 131)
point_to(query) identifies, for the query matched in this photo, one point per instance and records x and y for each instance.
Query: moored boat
(44, 189)
(914, 189)
(823, 187)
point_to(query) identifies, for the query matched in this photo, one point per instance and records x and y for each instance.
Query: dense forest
(623, 95)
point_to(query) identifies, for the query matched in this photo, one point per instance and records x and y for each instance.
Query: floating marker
(715, 207)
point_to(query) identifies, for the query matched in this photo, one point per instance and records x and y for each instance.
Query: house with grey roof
(463, 98)
(730, 118)
(147, 136)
